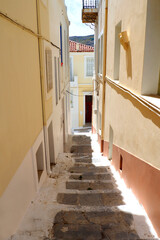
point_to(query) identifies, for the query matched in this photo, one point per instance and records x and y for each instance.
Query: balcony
(89, 11)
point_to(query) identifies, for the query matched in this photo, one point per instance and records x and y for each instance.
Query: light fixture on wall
(124, 40)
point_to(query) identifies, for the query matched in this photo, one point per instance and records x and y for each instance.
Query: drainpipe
(104, 73)
(41, 77)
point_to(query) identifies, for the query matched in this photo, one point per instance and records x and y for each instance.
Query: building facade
(126, 106)
(35, 109)
(81, 84)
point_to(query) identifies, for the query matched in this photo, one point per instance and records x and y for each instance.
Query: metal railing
(90, 3)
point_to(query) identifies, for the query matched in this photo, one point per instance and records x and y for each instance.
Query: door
(88, 109)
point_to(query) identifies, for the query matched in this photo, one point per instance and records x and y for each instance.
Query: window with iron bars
(90, 3)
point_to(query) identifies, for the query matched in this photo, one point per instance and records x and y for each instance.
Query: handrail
(90, 4)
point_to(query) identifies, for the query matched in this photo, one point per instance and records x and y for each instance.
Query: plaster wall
(52, 15)
(20, 98)
(132, 15)
(79, 66)
(20, 191)
(19, 10)
(136, 129)
(85, 84)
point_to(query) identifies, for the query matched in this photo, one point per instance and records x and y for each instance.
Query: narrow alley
(81, 201)
(80, 119)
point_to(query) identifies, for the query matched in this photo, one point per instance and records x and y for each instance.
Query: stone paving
(80, 201)
(93, 193)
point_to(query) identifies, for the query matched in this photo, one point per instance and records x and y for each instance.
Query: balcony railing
(90, 4)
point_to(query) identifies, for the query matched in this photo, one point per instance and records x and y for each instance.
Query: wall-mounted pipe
(104, 73)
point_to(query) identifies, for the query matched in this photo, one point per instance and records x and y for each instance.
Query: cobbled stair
(92, 193)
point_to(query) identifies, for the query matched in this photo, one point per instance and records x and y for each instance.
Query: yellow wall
(20, 97)
(133, 18)
(85, 84)
(22, 11)
(79, 67)
(135, 127)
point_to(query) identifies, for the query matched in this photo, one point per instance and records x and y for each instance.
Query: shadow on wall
(129, 61)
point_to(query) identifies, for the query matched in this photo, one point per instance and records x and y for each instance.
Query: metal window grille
(90, 4)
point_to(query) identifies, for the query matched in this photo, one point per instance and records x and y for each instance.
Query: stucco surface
(132, 15)
(136, 129)
(20, 96)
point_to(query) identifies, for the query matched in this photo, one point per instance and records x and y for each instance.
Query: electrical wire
(77, 95)
(26, 29)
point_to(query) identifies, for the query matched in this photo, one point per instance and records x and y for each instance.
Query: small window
(121, 162)
(56, 86)
(49, 80)
(40, 161)
(89, 66)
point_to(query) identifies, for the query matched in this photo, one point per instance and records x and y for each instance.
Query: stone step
(91, 169)
(85, 160)
(81, 149)
(80, 154)
(108, 224)
(82, 164)
(82, 139)
(91, 176)
(89, 185)
(109, 198)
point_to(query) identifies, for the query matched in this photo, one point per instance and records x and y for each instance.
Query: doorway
(88, 109)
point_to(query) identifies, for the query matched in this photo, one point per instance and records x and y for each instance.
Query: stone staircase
(92, 198)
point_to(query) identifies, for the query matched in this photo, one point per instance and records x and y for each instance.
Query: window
(56, 86)
(51, 144)
(59, 78)
(61, 46)
(89, 66)
(40, 161)
(48, 54)
(71, 69)
(151, 64)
